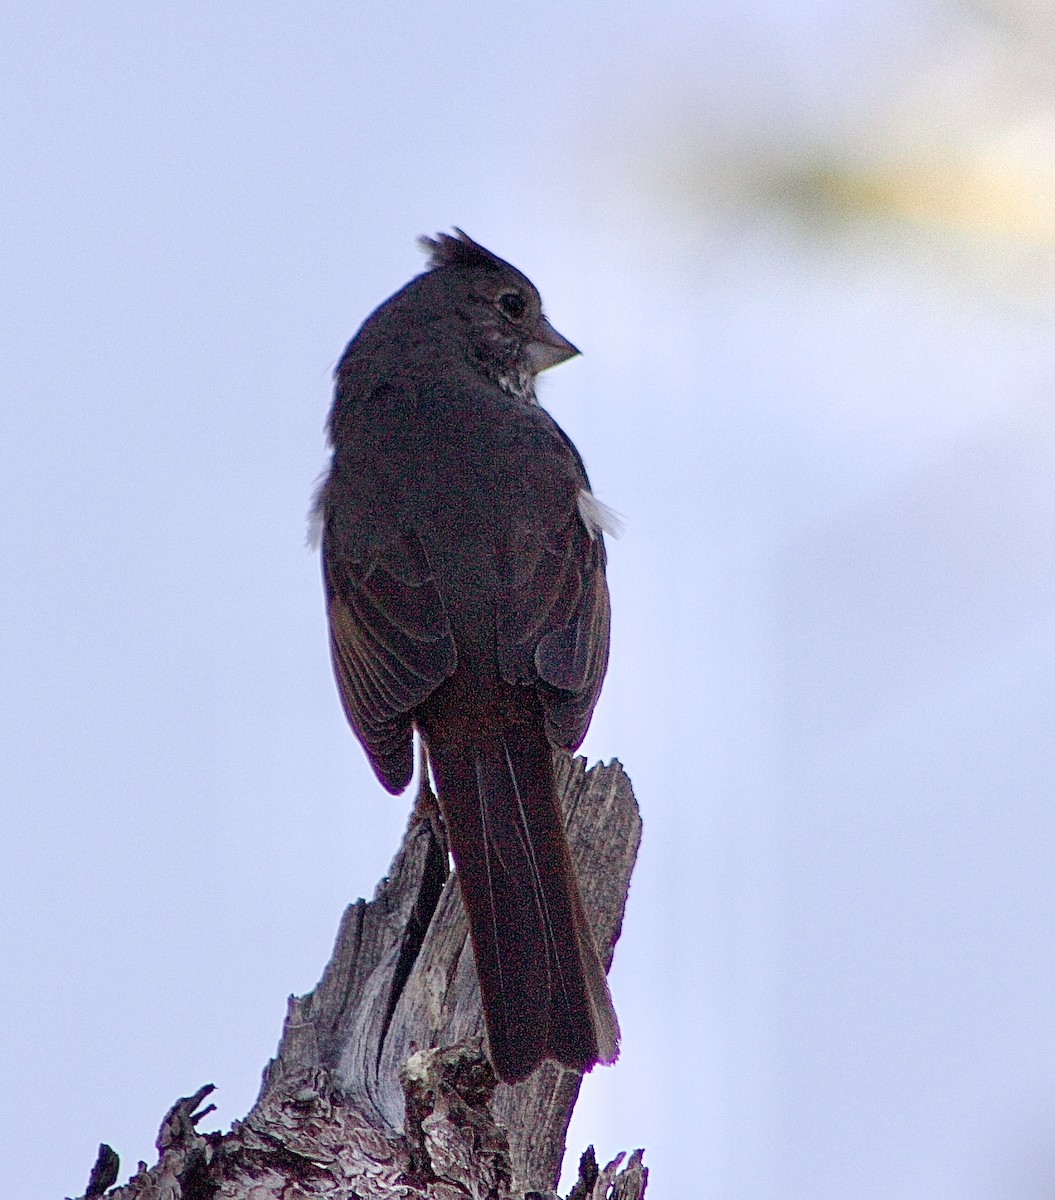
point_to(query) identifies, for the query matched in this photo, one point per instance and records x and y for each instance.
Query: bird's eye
(512, 304)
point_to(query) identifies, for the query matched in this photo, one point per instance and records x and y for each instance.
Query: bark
(381, 1087)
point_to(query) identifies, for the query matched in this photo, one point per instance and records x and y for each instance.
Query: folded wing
(391, 643)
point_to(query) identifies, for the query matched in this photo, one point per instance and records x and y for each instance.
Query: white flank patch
(314, 539)
(598, 517)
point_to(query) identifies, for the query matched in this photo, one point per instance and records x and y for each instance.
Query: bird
(463, 559)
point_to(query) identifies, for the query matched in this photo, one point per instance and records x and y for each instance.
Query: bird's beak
(548, 347)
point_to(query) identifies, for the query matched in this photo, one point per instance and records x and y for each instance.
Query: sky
(807, 252)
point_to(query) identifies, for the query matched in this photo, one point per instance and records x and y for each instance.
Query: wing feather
(391, 643)
(554, 625)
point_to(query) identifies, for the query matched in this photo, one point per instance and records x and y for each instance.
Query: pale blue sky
(834, 636)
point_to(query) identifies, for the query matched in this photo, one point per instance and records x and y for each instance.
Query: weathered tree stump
(380, 1087)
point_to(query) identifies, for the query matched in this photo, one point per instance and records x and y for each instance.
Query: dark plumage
(464, 571)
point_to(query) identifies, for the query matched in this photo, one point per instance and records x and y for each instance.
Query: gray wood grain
(380, 1086)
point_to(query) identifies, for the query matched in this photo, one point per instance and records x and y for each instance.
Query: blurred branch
(948, 134)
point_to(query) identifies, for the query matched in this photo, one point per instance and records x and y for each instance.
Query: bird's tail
(542, 985)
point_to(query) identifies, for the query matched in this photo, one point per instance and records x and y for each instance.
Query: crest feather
(459, 251)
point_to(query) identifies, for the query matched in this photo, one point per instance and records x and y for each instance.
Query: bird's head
(500, 310)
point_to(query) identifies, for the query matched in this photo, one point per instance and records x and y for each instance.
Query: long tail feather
(542, 986)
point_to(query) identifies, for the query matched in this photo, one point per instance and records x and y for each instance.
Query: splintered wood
(381, 1087)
